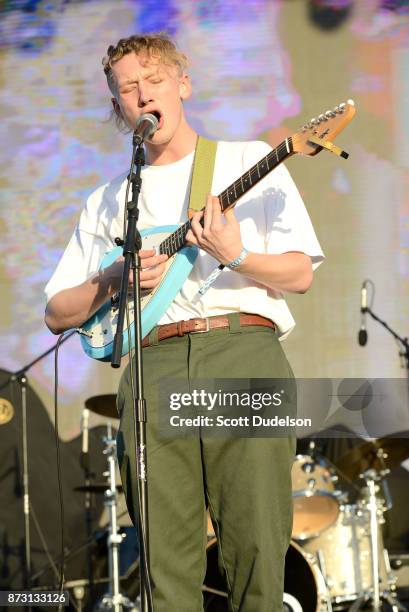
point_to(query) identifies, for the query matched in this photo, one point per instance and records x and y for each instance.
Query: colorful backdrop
(260, 69)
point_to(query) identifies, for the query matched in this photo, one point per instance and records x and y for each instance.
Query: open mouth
(158, 117)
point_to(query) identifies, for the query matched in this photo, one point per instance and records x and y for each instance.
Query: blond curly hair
(157, 46)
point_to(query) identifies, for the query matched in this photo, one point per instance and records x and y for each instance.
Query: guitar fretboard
(228, 198)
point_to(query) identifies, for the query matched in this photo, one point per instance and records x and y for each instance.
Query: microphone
(363, 334)
(145, 127)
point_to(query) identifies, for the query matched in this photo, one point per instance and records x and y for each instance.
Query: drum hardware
(113, 600)
(376, 508)
(379, 455)
(79, 595)
(323, 570)
(400, 565)
(370, 478)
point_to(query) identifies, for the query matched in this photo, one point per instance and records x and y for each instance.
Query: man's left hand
(220, 236)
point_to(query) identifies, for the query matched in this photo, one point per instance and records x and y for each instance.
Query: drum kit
(336, 559)
(342, 542)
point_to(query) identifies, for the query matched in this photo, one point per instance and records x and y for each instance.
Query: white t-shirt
(272, 218)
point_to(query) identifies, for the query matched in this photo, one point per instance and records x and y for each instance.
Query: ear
(185, 87)
(116, 107)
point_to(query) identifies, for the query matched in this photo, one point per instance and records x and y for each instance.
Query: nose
(144, 94)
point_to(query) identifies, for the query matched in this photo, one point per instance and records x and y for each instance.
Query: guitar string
(181, 232)
(175, 241)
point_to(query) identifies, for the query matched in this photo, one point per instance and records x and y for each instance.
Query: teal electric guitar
(98, 332)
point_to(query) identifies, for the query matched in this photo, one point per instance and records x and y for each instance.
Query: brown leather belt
(196, 326)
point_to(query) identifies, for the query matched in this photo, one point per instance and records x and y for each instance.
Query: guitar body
(102, 326)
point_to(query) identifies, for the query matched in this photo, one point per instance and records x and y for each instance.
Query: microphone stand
(403, 341)
(131, 249)
(20, 377)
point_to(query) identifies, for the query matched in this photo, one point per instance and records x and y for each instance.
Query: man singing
(269, 248)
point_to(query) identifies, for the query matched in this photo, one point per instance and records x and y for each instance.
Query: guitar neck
(228, 198)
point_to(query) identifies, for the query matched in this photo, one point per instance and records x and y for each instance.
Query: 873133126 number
(34, 598)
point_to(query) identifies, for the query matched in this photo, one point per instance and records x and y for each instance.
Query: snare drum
(304, 586)
(315, 499)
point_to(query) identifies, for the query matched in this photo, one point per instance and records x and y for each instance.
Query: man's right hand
(71, 307)
(152, 268)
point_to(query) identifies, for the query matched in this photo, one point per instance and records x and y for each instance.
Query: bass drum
(345, 549)
(304, 587)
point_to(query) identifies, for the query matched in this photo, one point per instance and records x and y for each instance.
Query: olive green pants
(245, 482)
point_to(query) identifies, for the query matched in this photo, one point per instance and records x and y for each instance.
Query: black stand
(20, 377)
(403, 341)
(131, 249)
(88, 475)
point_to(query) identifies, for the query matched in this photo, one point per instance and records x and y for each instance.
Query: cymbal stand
(113, 600)
(371, 477)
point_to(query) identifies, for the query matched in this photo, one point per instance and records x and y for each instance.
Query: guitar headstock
(324, 127)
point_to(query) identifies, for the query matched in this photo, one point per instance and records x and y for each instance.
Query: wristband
(216, 273)
(236, 262)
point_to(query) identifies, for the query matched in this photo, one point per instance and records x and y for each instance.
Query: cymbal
(96, 487)
(367, 456)
(104, 405)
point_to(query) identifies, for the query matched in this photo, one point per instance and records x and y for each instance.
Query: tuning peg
(322, 118)
(330, 114)
(314, 121)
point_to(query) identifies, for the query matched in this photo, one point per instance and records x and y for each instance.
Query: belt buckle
(202, 331)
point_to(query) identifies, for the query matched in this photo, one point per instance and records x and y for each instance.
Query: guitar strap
(202, 176)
